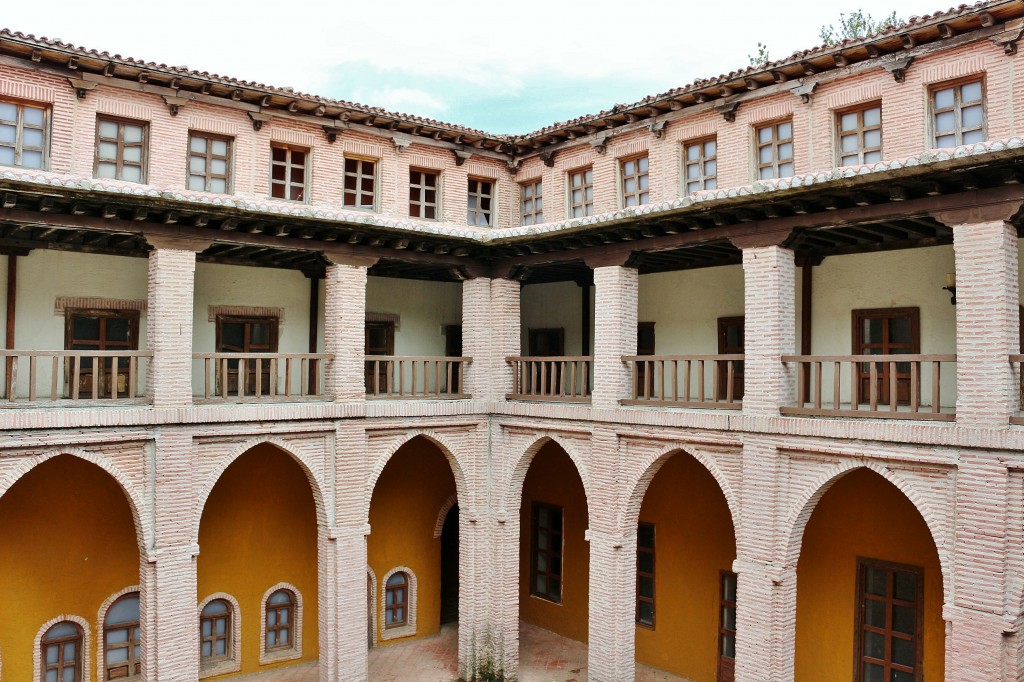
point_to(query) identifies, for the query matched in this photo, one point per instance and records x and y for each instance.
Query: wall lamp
(951, 286)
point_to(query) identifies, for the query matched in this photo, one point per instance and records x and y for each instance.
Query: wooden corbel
(656, 128)
(174, 103)
(461, 156)
(898, 67)
(1008, 38)
(804, 90)
(514, 165)
(548, 158)
(401, 142)
(81, 86)
(600, 143)
(339, 255)
(258, 119)
(728, 110)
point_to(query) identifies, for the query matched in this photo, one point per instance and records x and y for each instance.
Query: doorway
(450, 567)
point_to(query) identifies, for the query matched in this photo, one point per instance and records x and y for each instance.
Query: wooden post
(12, 298)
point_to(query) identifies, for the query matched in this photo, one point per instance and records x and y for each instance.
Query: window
(700, 165)
(730, 342)
(645, 574)
(958, 113)
(288, 172)
(360, 183)
(532, 195)
(105, 330)
(23, 139)
(546, 564)
(379, 340)
(860, 135)
(279, 616)
(209, 163)
(775, 150)
(478, 206)
(247, 335)
(121, 148)
(122, 645)
(581, 193)
(62, 653)
(396, 601)
(886, 331)
(889, 621)
(215, 632)
(727, 627)
(635, 181)
(423, 188)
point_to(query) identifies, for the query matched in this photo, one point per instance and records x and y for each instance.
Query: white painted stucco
(554, 305)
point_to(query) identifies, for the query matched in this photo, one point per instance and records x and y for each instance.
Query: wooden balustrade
(73, 374)
(714, 381)
(251, 376)
(564, 378)
(414, 376)
(872, 386)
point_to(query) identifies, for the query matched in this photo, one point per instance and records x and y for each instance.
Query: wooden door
(549, 343)
(106, 330)
(727, 626)
(644, 346)
(380, 340)
(730, 342)
(886, 331)
(453, 349)
(247, 335)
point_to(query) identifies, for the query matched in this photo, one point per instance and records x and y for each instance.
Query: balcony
(78, 377)
(565, 378)
(396, 377)
(246, 377)
(696, 381)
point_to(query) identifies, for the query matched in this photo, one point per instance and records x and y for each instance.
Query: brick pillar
(615, 315)
(987, 327)
(168, 589)
(172, 269)
(490, 333)
(345, 329)
(769, 281)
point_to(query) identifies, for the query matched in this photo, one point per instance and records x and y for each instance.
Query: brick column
(345, 327)
(987, 328)
(615, 315)
(169, 322)
(168, 572)
(490, 333)
(350, 627)
(769, 286)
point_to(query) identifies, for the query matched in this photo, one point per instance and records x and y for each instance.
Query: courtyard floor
(543, 657)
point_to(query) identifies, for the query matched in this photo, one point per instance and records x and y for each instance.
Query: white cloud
(405, 100)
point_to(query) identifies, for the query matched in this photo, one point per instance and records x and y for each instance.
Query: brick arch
(37, 667)
(442, 514)
(801, 513)
(649, 468)
(143, 535)
(514, 490)
(442, 444)
(316, 485)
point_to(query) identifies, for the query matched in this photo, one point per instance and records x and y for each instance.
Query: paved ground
(544, 657)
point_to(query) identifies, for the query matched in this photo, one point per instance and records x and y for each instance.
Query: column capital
(345, 256)
(178, 242)
(762, 238)
(1000, 211)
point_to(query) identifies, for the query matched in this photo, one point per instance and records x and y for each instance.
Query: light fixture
(951, 286)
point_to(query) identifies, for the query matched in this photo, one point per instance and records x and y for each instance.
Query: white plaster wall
(685, 306)
(423, 309)
(558, 304)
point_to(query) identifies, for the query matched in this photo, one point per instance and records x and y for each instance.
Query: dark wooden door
(450, 567)
(644, 346)
(453, 349)
(247, 335)
(380, 340)
(106, 330)
(886, 331)
(727, 627)
(549, 343)
(730, 342)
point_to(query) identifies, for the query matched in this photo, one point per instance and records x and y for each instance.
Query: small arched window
(215, 632)
(280, 616)
(122, 640)
(62, 653)
(396, 600)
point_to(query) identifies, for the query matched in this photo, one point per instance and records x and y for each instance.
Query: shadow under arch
(514, 490)
(317, 487)
(143, 534)
(442, 444)
(801, 514)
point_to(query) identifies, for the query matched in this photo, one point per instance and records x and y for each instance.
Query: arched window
(61, 649)
(215, 632)
(122, 646)
(280, 614)
(396, 601)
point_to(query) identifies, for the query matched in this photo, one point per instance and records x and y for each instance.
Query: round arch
(514, 490)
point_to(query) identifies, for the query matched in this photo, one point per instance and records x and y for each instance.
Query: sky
(499, 66)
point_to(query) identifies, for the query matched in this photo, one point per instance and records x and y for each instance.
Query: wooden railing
(893, 386)
(396, 376)
(251, 376)
(686, 380)
(565, 378)
(72, 374)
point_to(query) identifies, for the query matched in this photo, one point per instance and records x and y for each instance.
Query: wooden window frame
(531, 202)
(726, 664)
(640, 194)
(585, 207)
(89, 373)
(859, 347)
(390, 589)
(774, 144)
(290, 626)
(247, 347)
(553, 556)
(862, 149)
(640, 549)
(353, 198)
(418, 189)
(59, 666)
(208, 158)
(473, 215)
(119, 161)
(133, 640)
(213, 637)
(863, 563)
(703, 179)
(287, 184)
(957, 109)
(19, 129)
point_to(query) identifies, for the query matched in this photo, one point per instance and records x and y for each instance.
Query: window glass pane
(206, 650)
(214, 607)
(220, 147)
(693, 152)
(874, 613)
(764, 134)
(278, 154)
(31, 159)
(298, 157)
(872, 157)
(874, 673)
(207, 628)
(132, 133)
(197, 164)
(873, 116)
(765, 154)
(974, 137)
(197, 183)
(8, 111)
(218, 185)
(903, 651)
(108, 129)
(132, 174)
(281, 597)
(872, 138)
(945, 141)
(849, 143)
(108, 150)
(70, 675)
(197, 144)
(298, 175)
(848, 121)
(902, 676)
(219, 166)
(644, 181)
(875, 578)
(221, 647)
(944, 98)
(785, 130)
(945, 122)
(645, 586)
(973, 117)
(970, 92)
(7, 156)
(904, 619)
(34, 138)
(785, 170)
(899, 332)
(874, 645)
(642, 163)
(629, 168)
(786, 151)
(710, 148)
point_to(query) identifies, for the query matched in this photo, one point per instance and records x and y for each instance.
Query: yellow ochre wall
(862, 515)
(403, 512)
(258, 529)
(68, 542)
(553, 479)
(693, 542)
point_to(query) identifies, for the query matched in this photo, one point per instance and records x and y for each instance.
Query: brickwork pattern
(615, 291)
(769, 285)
